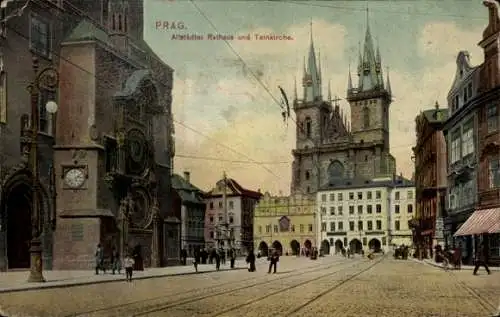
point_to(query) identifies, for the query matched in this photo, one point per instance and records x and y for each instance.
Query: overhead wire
(340, 7)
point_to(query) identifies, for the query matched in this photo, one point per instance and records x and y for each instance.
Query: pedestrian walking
(222, 256)
(232, 257)
(217, 261)
(115, 261)
(183, 256)
(251, 260)
(129, 267)
(273, 262)
(196, 260)
(99, 259)
(481, 259)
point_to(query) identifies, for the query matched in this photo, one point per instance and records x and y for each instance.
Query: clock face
(74, 178)
(137, 151)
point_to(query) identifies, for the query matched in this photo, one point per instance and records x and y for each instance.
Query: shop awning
(495, 228)
(481, 221)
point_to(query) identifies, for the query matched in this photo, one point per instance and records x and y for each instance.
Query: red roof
(235, 187)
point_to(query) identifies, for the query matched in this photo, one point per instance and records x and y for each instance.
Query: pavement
(13, 281)
(330, 286)
(463, 267)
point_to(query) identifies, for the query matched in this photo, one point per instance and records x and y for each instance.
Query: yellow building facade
(285, 223)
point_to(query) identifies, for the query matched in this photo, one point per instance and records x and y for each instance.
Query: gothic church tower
(371, 99)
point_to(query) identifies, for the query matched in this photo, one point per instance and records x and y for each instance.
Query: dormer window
(465, 95)
(461, 73)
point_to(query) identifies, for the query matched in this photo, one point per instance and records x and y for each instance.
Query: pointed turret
(312, 75)
(319, 74)
(369, 78)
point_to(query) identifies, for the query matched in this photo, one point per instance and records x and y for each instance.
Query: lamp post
(45, 80)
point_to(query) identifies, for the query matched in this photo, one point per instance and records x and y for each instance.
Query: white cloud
(255, 126)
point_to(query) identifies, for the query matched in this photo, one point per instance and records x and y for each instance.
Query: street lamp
(45, 80)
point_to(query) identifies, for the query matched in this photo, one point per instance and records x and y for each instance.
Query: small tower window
(307, 175)
(366, 117)
(120, 22)
(125, 22)
(113, 22)
(308, 127)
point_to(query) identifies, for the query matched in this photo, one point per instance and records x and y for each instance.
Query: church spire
(312, 81)
(370, 73)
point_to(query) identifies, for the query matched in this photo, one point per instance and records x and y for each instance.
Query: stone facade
(430, 177)
(488, 149)
(18, 46)
(328, 150)
(110, 82)
(192, 213)
(239, 218)
(461, 132)
(365, 215)
(285, 223)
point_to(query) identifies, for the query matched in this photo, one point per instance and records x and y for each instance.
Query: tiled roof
(236, 189)
(436, 115)
(187, 191)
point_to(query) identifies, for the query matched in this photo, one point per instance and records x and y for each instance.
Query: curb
(28, 288)
(464, 268)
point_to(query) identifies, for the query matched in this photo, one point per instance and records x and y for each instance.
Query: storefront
(483, 226)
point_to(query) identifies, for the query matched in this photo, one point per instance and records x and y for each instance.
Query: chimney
(187, 177)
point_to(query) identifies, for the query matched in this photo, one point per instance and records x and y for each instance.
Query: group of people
(454, 257)
(116, 262)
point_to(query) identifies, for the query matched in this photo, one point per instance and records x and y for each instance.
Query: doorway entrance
(18, 212)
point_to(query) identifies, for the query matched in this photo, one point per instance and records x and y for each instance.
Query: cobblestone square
(331, 286)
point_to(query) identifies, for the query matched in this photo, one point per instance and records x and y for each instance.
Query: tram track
(178, 305)
(124, 309)
(483, 302)
(166, 310)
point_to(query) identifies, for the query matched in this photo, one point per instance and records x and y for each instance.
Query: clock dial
(137, 151)
(74, 178)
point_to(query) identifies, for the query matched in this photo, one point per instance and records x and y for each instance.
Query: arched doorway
(375, 245)
(295, 246)
(308, 244)
(263, 248)
(338, 246)
(278, 247)
(355, 246)
(325, 247)
(18, 205)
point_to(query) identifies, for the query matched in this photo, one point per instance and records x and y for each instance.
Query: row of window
(230, 205)
(339, 210)
(276, 228)
(466, 95)
(221, 219)
(339, 226)
(462, 141)
(369, 195)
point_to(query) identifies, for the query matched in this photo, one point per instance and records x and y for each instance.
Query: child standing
(129, 266)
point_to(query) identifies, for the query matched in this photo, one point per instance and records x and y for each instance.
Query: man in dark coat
(273, 261)
(481, 259)
(217, 261)
(251, 260)
(232, 257)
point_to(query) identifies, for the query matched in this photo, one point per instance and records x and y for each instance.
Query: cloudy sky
(226, 119)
